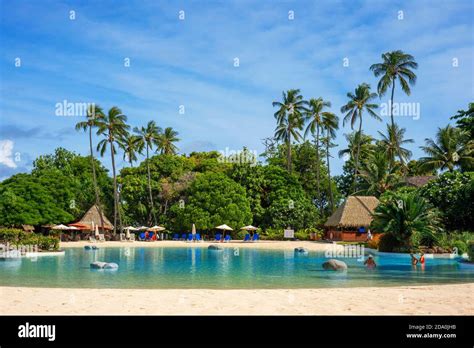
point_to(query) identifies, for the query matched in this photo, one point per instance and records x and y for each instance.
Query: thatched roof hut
(92, 217)
(28, 228)
(355, 212)
(418, 181)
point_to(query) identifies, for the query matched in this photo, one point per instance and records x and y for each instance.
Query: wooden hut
(351, 221)
(92, 218)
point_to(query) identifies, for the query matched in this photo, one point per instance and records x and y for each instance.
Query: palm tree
(330, 124)
(150, 136)
(166, 142)
(393, 142)
(112, 126)
(406, 216)
(380, 174)
(353, 140)
(315, 115)
(354, 109)
(94, 113)
(131, 146)
(289, 119)
(452, 148)
(395, 65)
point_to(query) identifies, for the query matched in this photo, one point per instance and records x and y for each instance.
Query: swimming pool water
(198, 267)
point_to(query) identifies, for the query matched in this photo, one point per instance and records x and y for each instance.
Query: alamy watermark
(401, 110)
(238, 156)
(345, 251)
(67, 108)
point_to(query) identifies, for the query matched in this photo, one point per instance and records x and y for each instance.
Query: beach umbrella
(73, 228)
(131, 228)
(193, 230)
(249, 228)
(224, 228)
(157, 228)
(61, 227)
(142, 228)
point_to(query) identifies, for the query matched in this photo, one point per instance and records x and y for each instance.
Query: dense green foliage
(19, 238)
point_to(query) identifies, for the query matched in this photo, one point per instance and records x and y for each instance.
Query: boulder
(111, 265)
(98, 265)
(335, 265)
(95, 247)
(88, 247)
(301, 250)
(215, 247)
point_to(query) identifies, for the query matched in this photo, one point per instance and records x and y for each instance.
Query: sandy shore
(270, 244)
(412, 300)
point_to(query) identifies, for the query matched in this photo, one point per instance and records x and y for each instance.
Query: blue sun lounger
(227, 238)
(183, 236)
(218, 237)
(190, 237)
(255, 237)
(198, 237)
(151, 236)
(247, 238)
(141, 236)
(175, 236)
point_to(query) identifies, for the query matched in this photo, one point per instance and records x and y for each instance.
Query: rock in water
(111, 265)
(87, 247)
(301, 250)
(335, 265)
(98, 265)
(214, 247)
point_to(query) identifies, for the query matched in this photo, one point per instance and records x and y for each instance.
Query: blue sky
(190, 62)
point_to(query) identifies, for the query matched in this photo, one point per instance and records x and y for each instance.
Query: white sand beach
(409, 300)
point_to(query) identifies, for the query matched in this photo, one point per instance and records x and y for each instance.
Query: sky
(221, 62)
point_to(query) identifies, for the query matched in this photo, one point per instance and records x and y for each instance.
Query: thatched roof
(92, 215)
(418, 181)
(28, 228)
(356, 211)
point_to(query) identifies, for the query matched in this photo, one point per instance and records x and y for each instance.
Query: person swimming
(414, 260)
(370, 263)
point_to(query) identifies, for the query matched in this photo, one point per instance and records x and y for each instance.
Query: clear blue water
(195, 267)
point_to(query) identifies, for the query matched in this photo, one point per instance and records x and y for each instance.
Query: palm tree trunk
(149, 187)
(331, 197)
(115, 186)
(391, 103)
(289, 154)
(94, 179)
(318, 181)
(356, 162)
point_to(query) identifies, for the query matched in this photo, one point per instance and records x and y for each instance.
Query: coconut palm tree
(166, 142)
(150, 136)
(395, 65)
(94, 113)
(393, 143)
(112, 126)
(315, 115)
(353, 110)
(452, 149)
(353, 140)
(330, 123)
(289, 119)
(131, 146)
(380, 174)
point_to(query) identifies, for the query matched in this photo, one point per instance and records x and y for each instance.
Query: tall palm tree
(353, 140)
(112, 126)
(315, 115)
(393, 143)
(94, 113)
(150, 136)
(131, 146)
(330, 123)
(289, 119)
(166, 142)
(379, 174)
(395, 65)
(358, 102)
(452, 149)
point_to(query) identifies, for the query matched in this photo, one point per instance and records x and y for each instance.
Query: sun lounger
(151, 236)
(247, 238)
(227, 238)
(255, 237)
(101, 237)
(183, 236)
(92, 239)
(122, 237)
(218, 237)
(198, 237)
(141, 236)
(190, 237)
(175, 236)
(132, 237)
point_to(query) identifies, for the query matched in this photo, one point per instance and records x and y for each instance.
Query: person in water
(370, 263)
(414, 260)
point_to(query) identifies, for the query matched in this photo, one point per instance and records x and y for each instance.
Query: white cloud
(6, 150)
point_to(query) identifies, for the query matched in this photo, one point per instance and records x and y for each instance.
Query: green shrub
(273, 234)
(388, 243)
(460, 246)
(48, 243)
(9, 235)
(470, 251)
(302, 234)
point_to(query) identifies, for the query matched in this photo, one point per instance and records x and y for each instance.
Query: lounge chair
(227, 238)
(141, 236)
(247, 238)
(92, 239)
(190, 237)
(218, 237)
(255, 237)
(132, 237)
(198, 237)
(122, 237)
(101, 237)
(151, 236)
(183, 236)
(175, 236)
